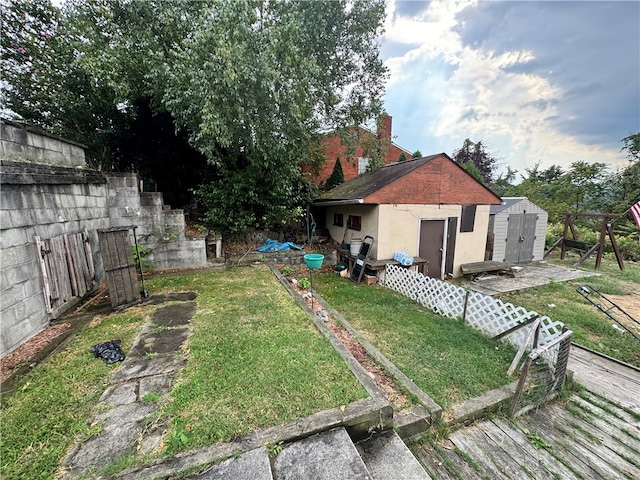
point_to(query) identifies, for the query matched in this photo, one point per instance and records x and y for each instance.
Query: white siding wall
(397, 227)
(500, 225)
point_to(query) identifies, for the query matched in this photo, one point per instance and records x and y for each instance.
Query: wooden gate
(119, 266)
(66, 267)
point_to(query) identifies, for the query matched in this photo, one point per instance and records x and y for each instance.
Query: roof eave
(328, 203)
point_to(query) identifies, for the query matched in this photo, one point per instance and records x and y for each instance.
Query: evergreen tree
(337, 176)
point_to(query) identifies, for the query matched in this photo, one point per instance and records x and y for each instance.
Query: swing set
(573, 242)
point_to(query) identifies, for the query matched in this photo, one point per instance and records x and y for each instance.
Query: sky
(548, 82)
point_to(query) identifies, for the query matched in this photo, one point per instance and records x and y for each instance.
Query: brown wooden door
(431, 246)
(119, 266)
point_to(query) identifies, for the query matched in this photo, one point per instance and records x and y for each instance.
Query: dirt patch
(631, 305)
(396, 398)
(29, 350)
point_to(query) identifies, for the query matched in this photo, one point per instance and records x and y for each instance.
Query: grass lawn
(447, 359)
(254, 360)
(53, 403)
(591, 327)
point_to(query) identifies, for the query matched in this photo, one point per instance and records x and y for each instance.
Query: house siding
(500, 227)
(369, 216)
(400, 230)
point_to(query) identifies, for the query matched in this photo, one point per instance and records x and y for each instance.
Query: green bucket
(313, 260)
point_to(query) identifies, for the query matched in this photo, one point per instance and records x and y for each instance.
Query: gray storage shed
(517, 230)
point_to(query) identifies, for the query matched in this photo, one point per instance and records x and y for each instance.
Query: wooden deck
(477, 268)
(588, 438)
(606, 377)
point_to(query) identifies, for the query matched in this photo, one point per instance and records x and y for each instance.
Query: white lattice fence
(482, 312)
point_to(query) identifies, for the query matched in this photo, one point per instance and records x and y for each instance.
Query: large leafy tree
(44, 82)
(476, 154)
(252, 83)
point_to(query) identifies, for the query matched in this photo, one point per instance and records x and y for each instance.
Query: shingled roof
(438, 179)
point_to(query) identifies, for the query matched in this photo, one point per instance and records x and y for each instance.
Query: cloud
(540, 81)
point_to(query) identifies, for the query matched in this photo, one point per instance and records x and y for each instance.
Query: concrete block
(45, 216)
(9, 296)
(253, 465)
(411, 421)
(21, 218)
(11, 198)
(35, 140)
(52, 144)
(388, 458)
(5, 220)
(326, 456)
(15, 150)
(13, 237)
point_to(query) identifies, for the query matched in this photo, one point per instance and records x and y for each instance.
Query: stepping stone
(388, 458)
(252, 465)
(326, 456)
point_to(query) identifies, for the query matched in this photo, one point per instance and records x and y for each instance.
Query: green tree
(45, 83)
(632, 146)
(504, 182)
(472, 170)
(416, 154)
(253, 84)
(402, 157)
(477, 154)
(337, 176)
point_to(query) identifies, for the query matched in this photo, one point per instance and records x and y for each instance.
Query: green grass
(591, 327)
(53, 404)
(447, 359)
(255, 360)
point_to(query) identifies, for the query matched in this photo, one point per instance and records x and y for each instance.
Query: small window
(354, 222)
(468, 218)
(363, 163)
(338, 219)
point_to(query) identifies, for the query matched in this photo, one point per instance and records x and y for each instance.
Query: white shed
(517, 231)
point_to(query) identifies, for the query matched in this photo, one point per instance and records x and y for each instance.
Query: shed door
(521, 230)
(431, 245)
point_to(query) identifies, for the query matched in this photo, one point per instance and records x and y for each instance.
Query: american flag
(635, 213)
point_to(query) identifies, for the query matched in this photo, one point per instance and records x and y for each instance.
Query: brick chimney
(384, 127)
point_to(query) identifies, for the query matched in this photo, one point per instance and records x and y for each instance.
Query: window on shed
(363, 163)
(338, 219)
(354, 222)
(468, 218)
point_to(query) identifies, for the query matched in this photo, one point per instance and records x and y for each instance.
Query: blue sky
(549, 81)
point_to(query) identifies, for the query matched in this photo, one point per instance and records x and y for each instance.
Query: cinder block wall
(43, 192)
(46, 201)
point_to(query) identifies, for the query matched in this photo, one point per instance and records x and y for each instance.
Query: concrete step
(328, 455)
(388, 458)
(411, 421)
(252, 465)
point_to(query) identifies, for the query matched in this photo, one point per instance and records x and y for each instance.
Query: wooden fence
(66, 267)
(480, 311)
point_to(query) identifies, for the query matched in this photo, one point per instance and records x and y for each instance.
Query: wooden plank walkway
(606, 377)
(586, 437)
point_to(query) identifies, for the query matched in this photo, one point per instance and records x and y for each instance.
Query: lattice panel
(484, 313)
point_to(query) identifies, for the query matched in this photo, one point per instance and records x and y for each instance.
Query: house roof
(435, 179)
(508, 202)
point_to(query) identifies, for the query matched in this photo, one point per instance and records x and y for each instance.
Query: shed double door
(521, 236)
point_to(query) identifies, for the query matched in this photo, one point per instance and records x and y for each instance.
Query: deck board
(584, 437)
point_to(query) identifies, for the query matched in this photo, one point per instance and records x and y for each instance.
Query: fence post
(464, 310)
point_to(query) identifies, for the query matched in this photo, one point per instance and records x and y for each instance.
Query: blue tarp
(275, 246)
